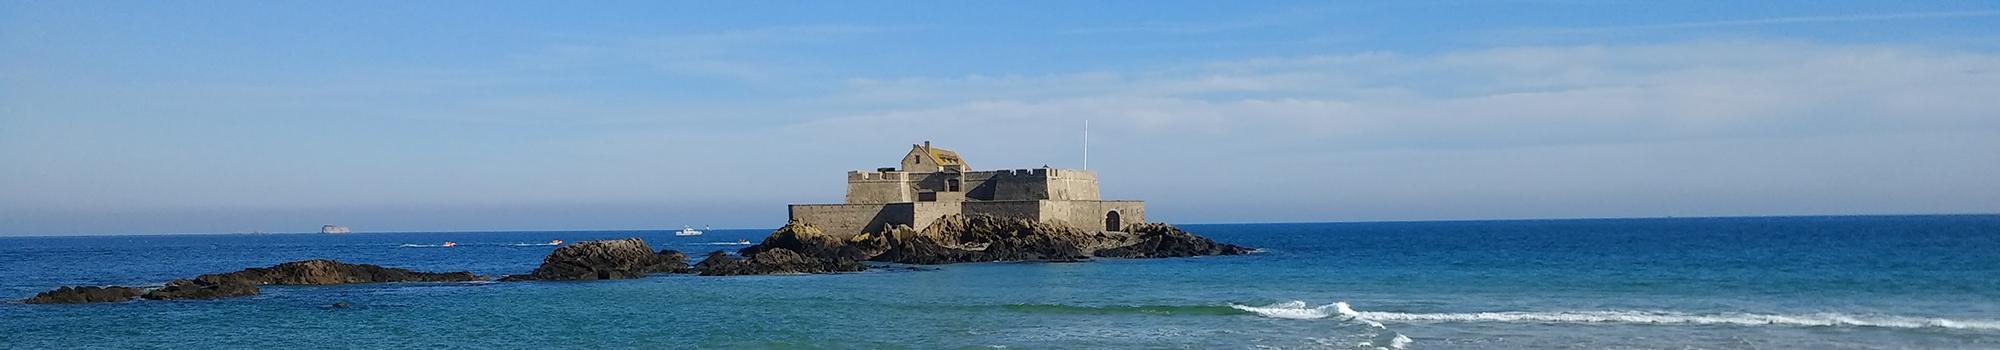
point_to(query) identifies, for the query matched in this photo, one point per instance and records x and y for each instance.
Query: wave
(1734, 319)
(422, 245)
(1297, 310)
(1122, 309)
(1374, 335)
(1300, 310)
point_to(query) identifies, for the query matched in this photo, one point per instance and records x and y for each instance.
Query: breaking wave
(1655, 317)
(1121, 309)
(1373, 334)
(1300, 310)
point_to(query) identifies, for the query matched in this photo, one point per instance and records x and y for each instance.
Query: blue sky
(149, 117)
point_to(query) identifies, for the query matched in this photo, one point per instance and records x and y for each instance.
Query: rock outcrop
(601, 260)
(85, 294)
(961, 239)
(1167, 241)
(800, 248)
(770, 262)
(323, 271)
(810, 241)
(200, 289)
(245, 282)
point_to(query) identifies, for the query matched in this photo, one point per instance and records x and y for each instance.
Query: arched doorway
(1112, 223)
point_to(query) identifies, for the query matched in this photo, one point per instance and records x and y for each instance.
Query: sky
(280, 116)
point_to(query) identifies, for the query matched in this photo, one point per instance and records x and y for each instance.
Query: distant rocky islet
(796, 248)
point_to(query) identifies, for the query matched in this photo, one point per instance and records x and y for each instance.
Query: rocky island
(245, 282)
(935, 210)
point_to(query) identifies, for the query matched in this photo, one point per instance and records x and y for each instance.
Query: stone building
(933, 182)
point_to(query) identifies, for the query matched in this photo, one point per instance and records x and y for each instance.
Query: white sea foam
(1373, 334)
(1300, 310)
(422, 245)
(1295, 309)
(1679, 318)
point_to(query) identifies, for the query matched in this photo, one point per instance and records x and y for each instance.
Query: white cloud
(1902, 16)
(1562, 94)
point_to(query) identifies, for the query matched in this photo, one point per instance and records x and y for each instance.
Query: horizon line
(1581, 218)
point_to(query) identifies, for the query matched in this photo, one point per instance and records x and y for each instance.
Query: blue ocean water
(1873, 282)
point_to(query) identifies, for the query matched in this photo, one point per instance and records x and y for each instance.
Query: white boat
(689, 231)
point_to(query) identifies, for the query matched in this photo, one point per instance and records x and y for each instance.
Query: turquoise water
(1905, 282)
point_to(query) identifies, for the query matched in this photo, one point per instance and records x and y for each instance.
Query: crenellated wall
(879, 187)
(876, 187)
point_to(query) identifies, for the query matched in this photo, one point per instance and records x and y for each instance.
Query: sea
(1848, 282)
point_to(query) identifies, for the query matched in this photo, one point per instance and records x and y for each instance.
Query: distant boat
(690, 231)
(334, 229)
(449, 244)
(555, 242)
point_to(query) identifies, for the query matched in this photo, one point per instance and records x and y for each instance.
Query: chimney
(927, 146)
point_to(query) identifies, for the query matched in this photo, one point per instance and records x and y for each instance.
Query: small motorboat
(449, 244)
(689, 231)
(555, 242)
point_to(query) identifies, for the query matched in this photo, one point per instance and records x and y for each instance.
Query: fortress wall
(978, 185)
(1020, 184)
(846, 220)
(924, 213)
(878, 187)
(1006, 209)
(1091, 214)
(1065, 184)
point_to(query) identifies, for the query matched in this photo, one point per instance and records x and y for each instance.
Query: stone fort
(934, 182)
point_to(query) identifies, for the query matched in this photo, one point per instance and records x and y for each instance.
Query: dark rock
(959, 239)
(719, 263)
(199, 289)
(81, 295)
(339, 305)
(1167, 241)
(804, 239)
(671, 261)
(599, 260)
(772, 261)
(981, 238)
(323, 271)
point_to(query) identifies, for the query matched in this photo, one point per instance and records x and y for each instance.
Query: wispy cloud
(1286, 17)
(1519, 96)
(1904, 16)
